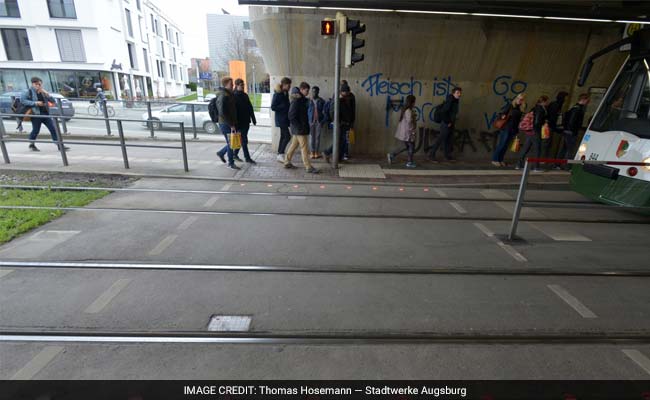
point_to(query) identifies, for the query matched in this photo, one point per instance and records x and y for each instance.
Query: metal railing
(61, 144)
(520, 203)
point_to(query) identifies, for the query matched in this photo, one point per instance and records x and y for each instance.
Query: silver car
(169, 116)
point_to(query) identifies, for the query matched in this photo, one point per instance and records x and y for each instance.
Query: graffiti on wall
(506, 88)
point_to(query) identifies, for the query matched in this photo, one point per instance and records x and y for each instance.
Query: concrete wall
(491, 59)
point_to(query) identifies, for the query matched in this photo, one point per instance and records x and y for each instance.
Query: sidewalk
(203, 163)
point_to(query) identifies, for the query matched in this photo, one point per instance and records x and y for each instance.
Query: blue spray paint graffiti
(376, 86)
(507, 89)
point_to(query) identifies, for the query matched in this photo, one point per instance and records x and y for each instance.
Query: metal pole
(108, 123)
(193, 121)
(149, 117)
(520, 201)
(120, 131)
(59, 140)
(3, 147)
(65, 125)
(184, 148)
(337, 82)
(254, 86)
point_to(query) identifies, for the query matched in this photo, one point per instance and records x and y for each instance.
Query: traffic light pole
(337, 83)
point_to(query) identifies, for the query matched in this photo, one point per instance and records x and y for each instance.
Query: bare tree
(240, 47)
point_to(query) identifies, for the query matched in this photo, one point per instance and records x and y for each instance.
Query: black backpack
(213, 110)
(17, 107)
(328, 110)
(437, 115)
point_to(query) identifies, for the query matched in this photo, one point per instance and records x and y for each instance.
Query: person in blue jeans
(245, 114)
(514, 111)
(227, 110)
(37, 99)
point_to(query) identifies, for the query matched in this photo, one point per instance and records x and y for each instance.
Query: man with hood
(299, 126)
(280, 105)
(227, 110)
(448, 114)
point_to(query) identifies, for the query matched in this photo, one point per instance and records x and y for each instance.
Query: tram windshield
(627, 105)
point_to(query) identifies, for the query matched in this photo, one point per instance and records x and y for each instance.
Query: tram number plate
(593, 156)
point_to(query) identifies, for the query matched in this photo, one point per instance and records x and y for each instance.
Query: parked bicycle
(94, 109)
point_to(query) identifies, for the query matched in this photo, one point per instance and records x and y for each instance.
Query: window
(247, 25)
(174, 51)
(61, 9)
(17, 44)
(162, 69)
(158, 67)
(146, 60)
(128, 21)
(153, 24)
(162, 48)
(137, 2)
(143, 35)
(9, 8)
(166, 32)
(133, 59)
(171, 71)
(178, 42)
(71, 47)
(178, 108)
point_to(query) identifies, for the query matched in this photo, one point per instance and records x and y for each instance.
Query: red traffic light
(327, 28)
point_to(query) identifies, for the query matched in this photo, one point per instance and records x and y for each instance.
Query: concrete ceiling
(635, 10)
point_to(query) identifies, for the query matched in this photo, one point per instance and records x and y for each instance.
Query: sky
(189, 15)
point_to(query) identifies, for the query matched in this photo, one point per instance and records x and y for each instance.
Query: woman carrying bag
(537, 122)
(406, 131)
(509, 122)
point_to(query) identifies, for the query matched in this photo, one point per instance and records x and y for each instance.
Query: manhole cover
(229, 323)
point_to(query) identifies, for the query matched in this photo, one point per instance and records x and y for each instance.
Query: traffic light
(353, 27)
(327, 28)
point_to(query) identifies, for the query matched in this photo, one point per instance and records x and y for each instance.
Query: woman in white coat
(406, 132)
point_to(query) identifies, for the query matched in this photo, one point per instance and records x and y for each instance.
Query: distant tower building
(219, 28)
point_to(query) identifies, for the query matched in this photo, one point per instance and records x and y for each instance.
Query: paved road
(321, 296)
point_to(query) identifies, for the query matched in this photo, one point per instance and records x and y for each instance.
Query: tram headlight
(647, 161)
(582, 148)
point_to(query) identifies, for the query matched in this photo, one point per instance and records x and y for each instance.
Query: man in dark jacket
(554, 111)
(280, 105)
(448, 114)
(37, 99)
(572, 121)
(347, 113)
(245, 114)
(347, 93)
(227, 110)
(299, 126)
(316, 115)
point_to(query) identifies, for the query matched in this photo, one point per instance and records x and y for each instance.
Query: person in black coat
(347, 115)
(448, 114)
(245, 114)
(299, 127)
(534, 140)
(554, 111)
(280, 105)
(572, 121)
(514, 112)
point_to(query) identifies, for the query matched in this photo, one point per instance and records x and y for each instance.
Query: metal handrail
(60, 143)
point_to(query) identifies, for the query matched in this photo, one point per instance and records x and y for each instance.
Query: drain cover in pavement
(361, 171)
(229, 323)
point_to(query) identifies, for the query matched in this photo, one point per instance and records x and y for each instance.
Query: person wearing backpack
(317, 120)
(37, 99)
(572, 121)
(280, 105)
(446, 114)
(532, 124)
(514, 112)
(245, 114)
(406, 131)
(347, 112)
(227, 110)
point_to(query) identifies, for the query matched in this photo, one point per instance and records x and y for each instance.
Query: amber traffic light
(327, 28)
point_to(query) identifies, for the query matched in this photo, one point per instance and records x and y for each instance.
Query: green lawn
(14, 222)
(189, 97)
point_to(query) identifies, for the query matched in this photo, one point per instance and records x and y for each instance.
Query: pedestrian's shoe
(289, 166)
(236, 158)
(518, 167)
(496, 164)
(411, 165)
(557, 168)
(33, 147)
(390, 158)
(221, 157)
(345, 158)
(503, 164)
(538, 170)
(328, 158)
(233, 166)
(312, 170)
(434, 161)
(250, 161)
(451, 160)
(280, 158)
(317, 155)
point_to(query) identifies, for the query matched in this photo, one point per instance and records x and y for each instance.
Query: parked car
(7, 99)
(181, 112)
(209, 97)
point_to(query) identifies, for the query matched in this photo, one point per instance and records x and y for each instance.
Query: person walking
(534, 137)
(515, 110)
(572, 121)
(317, 120)
(245, 114)
(227, 110)
(37, 99)
(280, 105)
(299, 126)
(347, 111)
(406, 131)
(448, 113)
(554, 111)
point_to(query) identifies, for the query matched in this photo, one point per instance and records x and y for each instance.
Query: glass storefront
(68, 83)
(125, 86)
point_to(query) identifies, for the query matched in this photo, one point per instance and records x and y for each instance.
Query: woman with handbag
(533, 130)
(508, 125)
(406, 131)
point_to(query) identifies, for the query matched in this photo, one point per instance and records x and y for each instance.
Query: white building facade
(127, 47)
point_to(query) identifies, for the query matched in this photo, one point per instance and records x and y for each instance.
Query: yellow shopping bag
(515, 147)
(351, 136)
(546, 132)
(235, 140)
